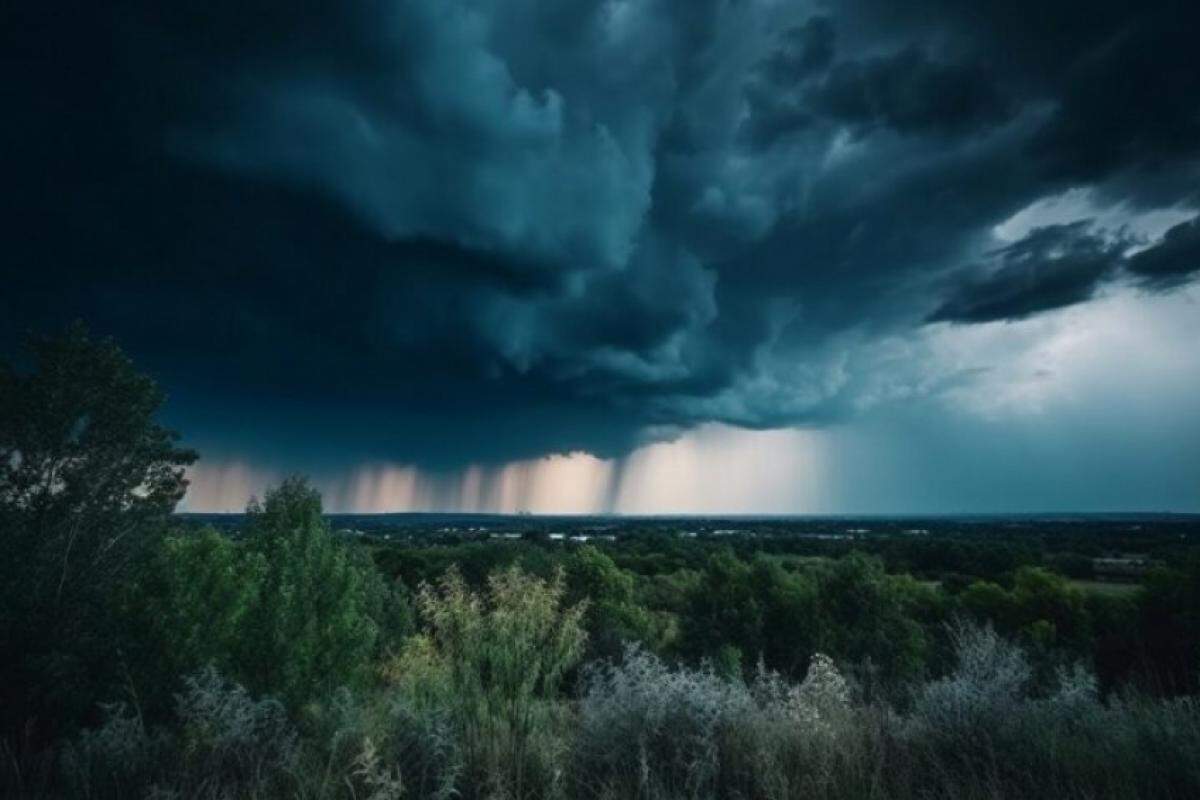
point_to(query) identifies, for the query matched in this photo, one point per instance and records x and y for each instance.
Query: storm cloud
(1171, 262)
(479, 231)
(1052, 267)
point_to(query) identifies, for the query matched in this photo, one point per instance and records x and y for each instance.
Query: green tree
(991, 602)
(752, 611)
(87, 480)
(186, 609)
(1042, 596)
(614, 616)
(315, 620)
(724, 611)
(869, 618)
(791, 616)
(289, 611)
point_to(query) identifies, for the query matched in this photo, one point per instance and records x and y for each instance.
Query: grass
(644, 728)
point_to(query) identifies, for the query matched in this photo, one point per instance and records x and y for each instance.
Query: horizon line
(732, 515)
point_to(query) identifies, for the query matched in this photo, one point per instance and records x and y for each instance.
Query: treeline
(144, 660)
(737, 603)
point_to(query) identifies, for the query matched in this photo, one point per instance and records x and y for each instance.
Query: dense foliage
(87, 479)
(144, 658)
(288, 610)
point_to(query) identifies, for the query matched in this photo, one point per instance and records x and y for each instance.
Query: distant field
(1107, 587)
(1096, 587)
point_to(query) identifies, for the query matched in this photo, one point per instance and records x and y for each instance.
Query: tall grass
(647, 730)
(984, 732)
(640, 728)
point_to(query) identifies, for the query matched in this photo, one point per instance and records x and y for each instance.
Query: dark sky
(952, 244)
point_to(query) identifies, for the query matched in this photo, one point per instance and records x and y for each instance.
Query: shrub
(224, 744)
(494, 659)
(120, 758)
(983, 732)
(990, 678)
(648, 730)
(229, 742)
(379, 744)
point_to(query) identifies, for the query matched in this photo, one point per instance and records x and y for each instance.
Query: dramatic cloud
(453, 232)
(1055, 266)
(1173, 261)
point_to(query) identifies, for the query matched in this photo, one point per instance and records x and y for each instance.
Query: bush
(990, 679)
(445, 725)
(983, 732)
(494, 660)
(647, 730)
(120, 758)
(379, 746)
(230, 743)
(224, 744)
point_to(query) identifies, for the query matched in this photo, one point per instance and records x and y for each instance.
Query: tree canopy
(87, 479)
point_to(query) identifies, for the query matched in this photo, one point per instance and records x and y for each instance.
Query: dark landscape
(288, 653)
(600, 400)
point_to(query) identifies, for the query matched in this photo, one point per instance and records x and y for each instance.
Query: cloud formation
(484, 231)
(1172, 261)
(1052, 267)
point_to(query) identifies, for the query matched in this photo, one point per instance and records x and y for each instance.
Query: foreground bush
(649, 730)
(983, 732)
(223, 744)
(491, 663)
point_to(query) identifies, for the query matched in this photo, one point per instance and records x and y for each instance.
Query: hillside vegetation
(145, 658)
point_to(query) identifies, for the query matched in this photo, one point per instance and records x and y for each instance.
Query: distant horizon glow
(714, 469)
(1040, 395)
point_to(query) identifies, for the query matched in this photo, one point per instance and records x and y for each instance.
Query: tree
(992, 603)
(185, 610)
(1040, 595)
(87, 479)
(724, 612)
(1170, 624)
(614, 617)
(315, 619)
(741, 612)
(791, 616)
(289, 611)
(868, 618)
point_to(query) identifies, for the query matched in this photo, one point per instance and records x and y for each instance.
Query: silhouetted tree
(87, 478)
